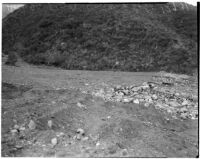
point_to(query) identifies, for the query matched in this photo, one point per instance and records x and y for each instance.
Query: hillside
(125, 37)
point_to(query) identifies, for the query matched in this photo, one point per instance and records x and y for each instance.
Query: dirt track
(113, 129)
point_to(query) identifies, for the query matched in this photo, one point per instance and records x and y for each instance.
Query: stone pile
(166, 93)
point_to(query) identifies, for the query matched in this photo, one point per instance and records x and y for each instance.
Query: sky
(193, 2)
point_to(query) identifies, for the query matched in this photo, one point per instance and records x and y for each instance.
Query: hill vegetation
(125, 37)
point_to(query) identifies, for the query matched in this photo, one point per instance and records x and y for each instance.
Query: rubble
(50, 123)
(14, 131)
(32, 125)
(80, 131)
(170, 92)
(16, 127)
(54, 141)
(80, 105)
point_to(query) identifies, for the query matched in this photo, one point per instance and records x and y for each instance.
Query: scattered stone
(136, 101)
(135, 89)
(147, 104)
(54, 141)
(173, 104)
(127, 100)
(50, 123)
(98, 143)
(124, 152)
(32, 125)
(118, 87)
(78, 136)
(81, 105)
(112, 149)
(149, 100)
(22, 128)
(154, 97)
(158, 93)
(183, 110)
(80, 131)
(184, 115)
(60, 134)
(108, 117)
(16, 127)
(13, 131)
(177, 94)
(53, 102)
(141, 100)
(85, 138)
(185, 102)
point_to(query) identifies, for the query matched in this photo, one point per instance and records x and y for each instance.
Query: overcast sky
(193, 2)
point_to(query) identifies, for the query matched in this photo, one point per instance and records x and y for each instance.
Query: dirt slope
(112, 129)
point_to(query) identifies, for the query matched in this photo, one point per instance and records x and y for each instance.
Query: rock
(120, 94)
(118, 87)
(127, 100)
(125, 92)
(22, 128)
(151, 85)
(16, 127)
(185, 102)
(118, 100)
(166, 100)
(112, 149)
(135, 89)
(18, 146)
(50, 123)
(124, 152)
(169, 111)
(85, 138)
(160, 105)
(154, 97)
(147, 104)
(141, 100)
(32, 125)
(80, 131)
(145, 86)
(78, 136)
(136, 101)
(53, 102)
(173, 104)
(177, 94)
(183, 110)
(13, 131)
(148, 99)
(80, 105)
(54, 141)
(60, 134)
(184, 115)
(98, 143)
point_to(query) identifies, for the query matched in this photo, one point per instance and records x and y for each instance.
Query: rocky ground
(49, 112)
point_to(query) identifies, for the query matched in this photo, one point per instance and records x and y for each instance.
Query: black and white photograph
(100, 79)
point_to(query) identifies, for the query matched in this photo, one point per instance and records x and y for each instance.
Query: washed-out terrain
(50, 112)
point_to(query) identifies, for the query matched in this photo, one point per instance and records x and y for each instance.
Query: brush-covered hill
(126, 37)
